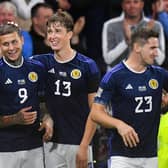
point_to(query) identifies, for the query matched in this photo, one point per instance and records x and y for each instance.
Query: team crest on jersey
(153, 83)
(76, 74)
(33, 77)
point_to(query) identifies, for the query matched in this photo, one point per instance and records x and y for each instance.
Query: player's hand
(47, 124)
(127, 31)
(82, 157)
(25, 116)
(150, 25)
(128, 134)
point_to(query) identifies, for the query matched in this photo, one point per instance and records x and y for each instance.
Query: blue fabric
(19, 88)
(68, 85)
(163, 19)
(28, 45)
(135, 98)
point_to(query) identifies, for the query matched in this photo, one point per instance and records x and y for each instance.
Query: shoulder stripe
(91, 63)
(1, 62)
(115, 69)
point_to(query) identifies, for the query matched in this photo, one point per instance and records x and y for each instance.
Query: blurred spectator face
(41, 18)
(64, 4)
(165, 4)
(6, 15)
(132, 8)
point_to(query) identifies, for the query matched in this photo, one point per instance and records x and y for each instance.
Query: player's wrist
(8, 120)
(84, 145)
(48, 120)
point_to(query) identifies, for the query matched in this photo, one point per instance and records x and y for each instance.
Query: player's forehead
(56, 25)
(153, 42)
(9, 37)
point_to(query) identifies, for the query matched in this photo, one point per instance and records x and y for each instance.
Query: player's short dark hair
(141, 35)
(62, 17)
(9, 27)
(35, 8)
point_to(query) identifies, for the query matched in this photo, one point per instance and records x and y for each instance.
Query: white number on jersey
(147, 100)
(22, 92)
(67, 88)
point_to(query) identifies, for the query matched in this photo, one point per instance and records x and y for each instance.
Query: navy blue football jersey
(68, 86)
(135, 99)
(19, 88)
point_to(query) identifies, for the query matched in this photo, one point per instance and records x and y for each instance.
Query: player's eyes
(5, 44)
(49, 31)
(14, 42)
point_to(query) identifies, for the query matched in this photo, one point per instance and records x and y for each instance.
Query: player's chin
(13, 58)
(55, 47)
(151, 62)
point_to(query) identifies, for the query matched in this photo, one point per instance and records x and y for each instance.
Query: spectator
(24, 7)
(160, 14)
(8, 12)
(117, 31)
(39, 15)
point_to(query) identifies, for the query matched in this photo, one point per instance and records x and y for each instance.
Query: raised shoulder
(88, 62)
(114, 71)
(114, 20)
(44, 58)
(1, 62)
(34, 62)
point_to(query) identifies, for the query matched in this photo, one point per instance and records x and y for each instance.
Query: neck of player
(64, 55)
(16, 62)
(135, 63)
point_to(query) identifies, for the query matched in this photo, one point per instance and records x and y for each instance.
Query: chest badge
(153, 84)
(76, 74)
(33, 77)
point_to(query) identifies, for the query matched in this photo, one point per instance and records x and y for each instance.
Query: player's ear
(70, 34)
(22, 39)
(137, 47)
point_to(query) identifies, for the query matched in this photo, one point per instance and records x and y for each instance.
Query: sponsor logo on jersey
(76, 74)
(8, 81)
(142, 88)
(33, 77)
(153, 84)
(129, 87)
(64, 74)
(21, 82)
